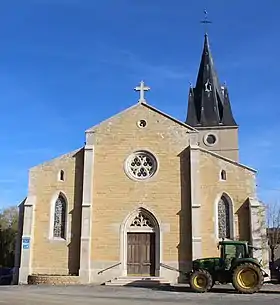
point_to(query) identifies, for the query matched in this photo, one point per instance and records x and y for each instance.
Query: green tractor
(235, 265)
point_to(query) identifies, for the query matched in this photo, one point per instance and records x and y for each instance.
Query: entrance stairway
(138, 281)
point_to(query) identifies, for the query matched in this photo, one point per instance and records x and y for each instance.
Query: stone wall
(52, 280)
(227, 141)
(115, 195)
(238, 186)
(51, 255)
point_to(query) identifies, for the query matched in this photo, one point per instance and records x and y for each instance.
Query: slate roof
(209, 103)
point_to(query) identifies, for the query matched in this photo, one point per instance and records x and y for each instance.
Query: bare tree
(273, 228)
(8, 217)
(8, 233)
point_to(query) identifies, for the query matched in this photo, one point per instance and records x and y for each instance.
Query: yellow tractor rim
(200, 281)
(247, 278)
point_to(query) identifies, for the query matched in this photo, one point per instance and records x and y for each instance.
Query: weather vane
(206, 21)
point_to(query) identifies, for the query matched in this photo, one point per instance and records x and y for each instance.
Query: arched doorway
(141, 239)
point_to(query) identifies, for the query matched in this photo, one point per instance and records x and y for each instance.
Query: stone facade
(179, 200)
(52, 280)
(227, 141)
(116, 196)
(212, 188)
(45, 254)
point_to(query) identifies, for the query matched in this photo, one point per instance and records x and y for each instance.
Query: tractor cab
(231, 251)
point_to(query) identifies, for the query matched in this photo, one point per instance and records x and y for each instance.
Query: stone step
(138, 281)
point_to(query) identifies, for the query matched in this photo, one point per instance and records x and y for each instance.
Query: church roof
(170, 117)
(190, 128)
(209, 103)
(214, 154)
(58, 158)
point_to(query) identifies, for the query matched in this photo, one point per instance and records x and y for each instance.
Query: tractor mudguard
(238, 261)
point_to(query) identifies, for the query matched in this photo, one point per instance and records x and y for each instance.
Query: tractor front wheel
(247, 278)
(201, 281)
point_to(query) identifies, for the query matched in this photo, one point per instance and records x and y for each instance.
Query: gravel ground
(106, 295)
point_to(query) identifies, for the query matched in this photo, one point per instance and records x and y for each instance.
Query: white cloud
(137, 65)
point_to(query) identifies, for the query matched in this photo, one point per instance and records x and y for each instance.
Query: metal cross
(142, 88)
(205, 21)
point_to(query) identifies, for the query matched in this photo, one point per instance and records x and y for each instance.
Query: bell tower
(209, 109)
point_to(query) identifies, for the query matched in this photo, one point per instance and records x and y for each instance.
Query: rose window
(141, 165)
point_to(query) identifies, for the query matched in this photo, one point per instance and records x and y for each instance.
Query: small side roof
(63, 156)
(195, 147)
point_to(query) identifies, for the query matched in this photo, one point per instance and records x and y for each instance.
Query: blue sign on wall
(26, 243)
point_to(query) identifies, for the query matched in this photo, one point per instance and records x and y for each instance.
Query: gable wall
(115, 195)
(57, 256)
(240, 185)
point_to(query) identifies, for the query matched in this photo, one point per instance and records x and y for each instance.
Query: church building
(145, 196)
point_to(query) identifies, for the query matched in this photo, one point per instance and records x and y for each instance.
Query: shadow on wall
(75, 244)
(243, 214)
(185, 242)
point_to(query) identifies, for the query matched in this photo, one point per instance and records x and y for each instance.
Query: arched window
(225, 217)
(223, 175)
(59, 225)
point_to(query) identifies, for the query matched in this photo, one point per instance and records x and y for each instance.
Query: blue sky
(66, 65)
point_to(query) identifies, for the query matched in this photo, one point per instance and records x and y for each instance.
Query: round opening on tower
(141, 165)
(210, 139)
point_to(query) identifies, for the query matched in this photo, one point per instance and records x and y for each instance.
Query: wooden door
(141, 254)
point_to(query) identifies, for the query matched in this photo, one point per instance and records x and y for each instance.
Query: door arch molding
(140, 220)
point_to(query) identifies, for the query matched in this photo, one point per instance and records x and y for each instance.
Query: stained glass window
(224, 219)
(59, 218)
(141, 165)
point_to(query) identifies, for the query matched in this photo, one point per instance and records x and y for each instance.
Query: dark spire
(209, 103)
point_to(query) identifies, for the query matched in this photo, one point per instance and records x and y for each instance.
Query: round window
(141, 165)
(210, 139)
(141, 123)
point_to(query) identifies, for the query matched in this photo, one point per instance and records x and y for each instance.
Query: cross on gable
(142, 88)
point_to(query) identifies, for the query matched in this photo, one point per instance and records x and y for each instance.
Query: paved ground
(105, 295)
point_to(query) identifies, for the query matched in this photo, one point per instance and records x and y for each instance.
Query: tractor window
(234, 251)
(229, 251)
(240, 251)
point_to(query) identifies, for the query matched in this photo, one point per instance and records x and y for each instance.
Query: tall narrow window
(224, 218)
(59, 218)
(223, 175)
(61, 175)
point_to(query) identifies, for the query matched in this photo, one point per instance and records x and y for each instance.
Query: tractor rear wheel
(247, 278)
(201, 281)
